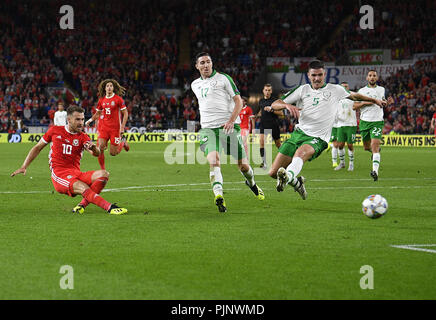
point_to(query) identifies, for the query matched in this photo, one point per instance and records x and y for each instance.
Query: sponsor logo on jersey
(69, 177)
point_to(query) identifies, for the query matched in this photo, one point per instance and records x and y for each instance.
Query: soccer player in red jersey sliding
(110, 127)
(66, 150)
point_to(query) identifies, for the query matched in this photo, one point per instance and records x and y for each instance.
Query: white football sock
(375, 161)
(249, 176)
(334, 154)
(351, 156)
(216, 180)
(294, 169)
(342, 156)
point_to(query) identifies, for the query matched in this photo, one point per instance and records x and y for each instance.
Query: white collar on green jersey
(325, 84)
(213, 73)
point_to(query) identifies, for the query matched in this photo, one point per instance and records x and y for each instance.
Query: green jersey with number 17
(318, 108)
(215, 98)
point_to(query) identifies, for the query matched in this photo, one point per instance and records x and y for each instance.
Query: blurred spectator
(404, 27)
(60, 116)
(143, 53)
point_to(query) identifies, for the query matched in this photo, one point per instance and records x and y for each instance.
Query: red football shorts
(63, 180)
(112, 135)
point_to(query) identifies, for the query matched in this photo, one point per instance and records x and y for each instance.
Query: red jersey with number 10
(244, 115)
(110, 112)
(66, 148)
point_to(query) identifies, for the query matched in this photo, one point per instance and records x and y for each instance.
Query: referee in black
(269, 121)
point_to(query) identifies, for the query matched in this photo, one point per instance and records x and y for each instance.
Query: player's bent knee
(79, 187)
(104, 173)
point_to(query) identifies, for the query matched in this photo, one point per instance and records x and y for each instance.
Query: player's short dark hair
(72, 109)
(372, 70)
(267, 85)
(202, 54)
(316, 64)
(344, 82)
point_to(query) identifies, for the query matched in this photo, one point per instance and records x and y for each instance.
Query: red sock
(94, 198)
(120, 146)
(96, 186)
(84, 203)
(101, 160)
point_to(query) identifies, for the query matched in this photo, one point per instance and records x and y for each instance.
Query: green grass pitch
(281, 248)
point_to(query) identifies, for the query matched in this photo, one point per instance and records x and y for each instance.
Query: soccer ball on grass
(374, 206)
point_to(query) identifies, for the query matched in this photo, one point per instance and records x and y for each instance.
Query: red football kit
(66, 151)
(110, 120)
(244, 115)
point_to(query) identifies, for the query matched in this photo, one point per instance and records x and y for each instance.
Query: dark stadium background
(148, 46)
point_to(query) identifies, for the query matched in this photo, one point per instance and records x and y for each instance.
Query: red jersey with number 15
(110, 112)
(244, 115)
(66, 148)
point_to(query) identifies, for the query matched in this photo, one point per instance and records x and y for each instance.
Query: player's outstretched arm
(93, 118)
(280, 105)
(360, 104)
(360, 97)
(253, 123)
(229, 125)
(124, 121)
(33, 153)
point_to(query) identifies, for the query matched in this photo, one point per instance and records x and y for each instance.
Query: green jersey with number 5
(318, 108)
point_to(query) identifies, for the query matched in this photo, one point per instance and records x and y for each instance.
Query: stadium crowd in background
(402, 26)
(143, 54)
(241, 34)
(414, 93)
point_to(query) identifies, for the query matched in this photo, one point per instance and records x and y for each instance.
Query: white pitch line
(416, 247)
(266, 181)
(148, 188)
(366, 179)
(25, 192)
